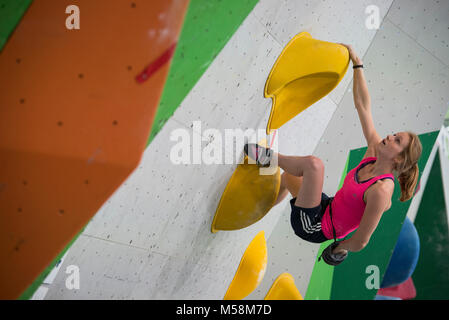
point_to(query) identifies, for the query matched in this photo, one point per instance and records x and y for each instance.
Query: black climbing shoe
(261, 155)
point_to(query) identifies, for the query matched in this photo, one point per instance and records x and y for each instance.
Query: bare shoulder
(382, 190)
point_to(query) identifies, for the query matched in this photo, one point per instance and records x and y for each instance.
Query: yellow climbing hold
(305, 71)
(248, 196)
(251, 269)
(284, 288)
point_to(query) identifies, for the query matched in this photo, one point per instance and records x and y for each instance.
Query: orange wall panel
(74, 121)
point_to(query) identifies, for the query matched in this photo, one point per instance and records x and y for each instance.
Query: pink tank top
(348, 205)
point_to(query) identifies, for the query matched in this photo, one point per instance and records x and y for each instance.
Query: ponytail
(408, 168)
(407, 181)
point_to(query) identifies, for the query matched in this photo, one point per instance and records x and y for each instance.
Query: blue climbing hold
(405, 256)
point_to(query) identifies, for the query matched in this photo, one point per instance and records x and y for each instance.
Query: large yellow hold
(251, 269)
(248, 196)
(305, 71)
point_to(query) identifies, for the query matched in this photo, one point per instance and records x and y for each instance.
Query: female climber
(367, 190)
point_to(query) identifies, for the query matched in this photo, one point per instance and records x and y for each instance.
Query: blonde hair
(408, 168)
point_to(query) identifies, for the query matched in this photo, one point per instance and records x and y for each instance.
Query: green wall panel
(11, 12)
(431, 276)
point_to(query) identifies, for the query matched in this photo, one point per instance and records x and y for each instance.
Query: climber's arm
(362, 102)
(377, 202)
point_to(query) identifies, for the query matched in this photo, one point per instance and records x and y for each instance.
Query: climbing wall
(152, 238)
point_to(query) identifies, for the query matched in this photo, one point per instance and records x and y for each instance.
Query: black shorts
(306, 222)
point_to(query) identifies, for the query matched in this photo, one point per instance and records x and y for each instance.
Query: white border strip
(443, 141)
(416, 200)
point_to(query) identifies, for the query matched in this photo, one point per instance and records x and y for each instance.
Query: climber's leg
(311, 169)
(290, 184)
